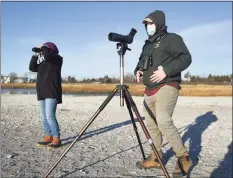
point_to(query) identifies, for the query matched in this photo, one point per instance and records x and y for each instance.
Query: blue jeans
(48, 114)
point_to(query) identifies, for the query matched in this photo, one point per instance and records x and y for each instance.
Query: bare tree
(25, 74)
(187, 75)
(12, 76)
(129, 78)
(31, 75)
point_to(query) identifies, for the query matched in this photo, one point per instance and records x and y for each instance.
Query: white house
(5, 79)
(186, 79)
(21, 80)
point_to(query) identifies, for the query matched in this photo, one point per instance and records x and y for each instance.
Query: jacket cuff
(166, 70)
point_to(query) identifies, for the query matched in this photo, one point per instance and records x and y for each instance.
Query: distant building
(5, 79)
(21, 80)
(187, 79)
(31, 80)
(2, 79)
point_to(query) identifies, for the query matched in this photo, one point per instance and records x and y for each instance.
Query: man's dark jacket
(48, 83)
(168, 50)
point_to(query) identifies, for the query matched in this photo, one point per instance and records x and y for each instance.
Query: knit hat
(51, 46)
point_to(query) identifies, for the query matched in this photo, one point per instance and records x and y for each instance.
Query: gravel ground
(109, 147)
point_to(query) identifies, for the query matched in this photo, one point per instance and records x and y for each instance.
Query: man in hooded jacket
(167, 56)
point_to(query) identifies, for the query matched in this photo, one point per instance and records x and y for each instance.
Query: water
(32, 91)
(18, 91)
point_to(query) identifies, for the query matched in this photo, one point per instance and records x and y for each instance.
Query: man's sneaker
(150, 162)
(55, 143)
(183, 166)
(46, 140)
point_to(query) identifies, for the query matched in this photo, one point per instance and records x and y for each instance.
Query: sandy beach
(109, 147)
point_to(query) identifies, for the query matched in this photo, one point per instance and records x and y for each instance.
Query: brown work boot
(150, 162)
(46, 140)
(55, 143)
(183, 166)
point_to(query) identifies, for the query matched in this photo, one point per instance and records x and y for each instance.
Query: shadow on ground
(99, 131)
(225, 166)
(193, 134)
(78, 169)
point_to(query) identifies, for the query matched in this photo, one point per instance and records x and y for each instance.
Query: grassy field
(135, 89)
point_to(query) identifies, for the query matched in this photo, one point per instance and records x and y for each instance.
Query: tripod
(124, 95)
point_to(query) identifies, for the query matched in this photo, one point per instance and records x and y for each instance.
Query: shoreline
(134, 89)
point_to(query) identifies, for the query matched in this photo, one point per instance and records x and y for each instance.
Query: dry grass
(135, 89)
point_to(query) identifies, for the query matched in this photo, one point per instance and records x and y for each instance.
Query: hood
(159, 19)
(47, 54)
(51, 46)
(57, 56)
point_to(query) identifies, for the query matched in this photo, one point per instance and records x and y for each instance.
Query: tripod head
(122, 47)
(123, 40)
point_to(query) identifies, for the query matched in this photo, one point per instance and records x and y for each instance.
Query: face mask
(151, 29)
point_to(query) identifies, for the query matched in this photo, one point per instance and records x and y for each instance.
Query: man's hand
(139, 75)
(158, 76)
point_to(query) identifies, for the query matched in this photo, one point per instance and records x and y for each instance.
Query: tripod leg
(103, 105)
(134, 107)
(134, 125)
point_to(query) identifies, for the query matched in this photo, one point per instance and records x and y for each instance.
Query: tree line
(210, 79)
(130, 78)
